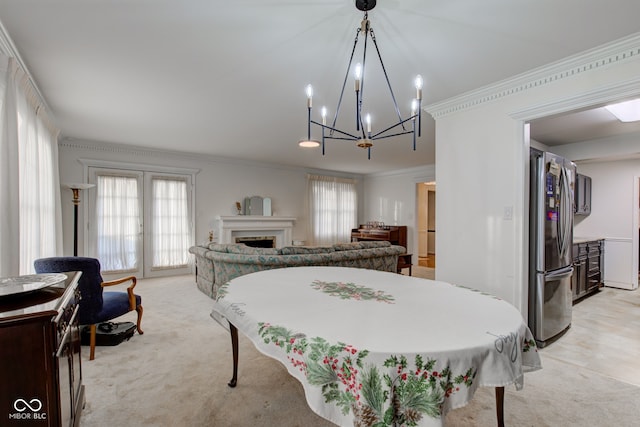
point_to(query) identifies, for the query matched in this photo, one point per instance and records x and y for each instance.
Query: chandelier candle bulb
(324, 116)
(419, 82)
(368, 119)
(358, 74)
(309, 90)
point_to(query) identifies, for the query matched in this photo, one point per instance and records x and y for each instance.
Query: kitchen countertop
(586, 239)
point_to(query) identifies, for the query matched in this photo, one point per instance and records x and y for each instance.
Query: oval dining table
(379, 348)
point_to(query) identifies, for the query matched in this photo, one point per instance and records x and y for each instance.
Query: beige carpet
(176, 374)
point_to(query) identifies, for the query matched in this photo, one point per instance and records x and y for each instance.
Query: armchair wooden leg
(139, 310)
(92, 342)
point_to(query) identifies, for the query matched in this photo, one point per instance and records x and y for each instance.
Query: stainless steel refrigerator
(551, 245)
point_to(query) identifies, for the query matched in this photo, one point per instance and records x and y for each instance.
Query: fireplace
(258, 241)
(255, 227)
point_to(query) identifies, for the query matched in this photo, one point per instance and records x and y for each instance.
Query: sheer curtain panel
(118, 222)
(171, 231)
(30, 190)
(333, 208)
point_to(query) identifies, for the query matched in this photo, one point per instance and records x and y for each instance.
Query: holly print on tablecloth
(348, 290)
(393, 394)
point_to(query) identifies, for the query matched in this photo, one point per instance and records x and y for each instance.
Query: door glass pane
(170, 219)
(118, 222)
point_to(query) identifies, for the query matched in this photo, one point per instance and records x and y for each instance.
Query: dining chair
(95, 305)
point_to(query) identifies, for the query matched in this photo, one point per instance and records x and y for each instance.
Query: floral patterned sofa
(216, 264)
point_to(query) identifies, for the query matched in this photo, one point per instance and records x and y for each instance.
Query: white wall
(219, 184)
(614, 212)
(482, 163)
(391, 198)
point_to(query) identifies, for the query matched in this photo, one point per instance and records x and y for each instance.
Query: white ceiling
(227, 78)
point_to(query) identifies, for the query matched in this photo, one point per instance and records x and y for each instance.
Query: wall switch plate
(508, 213)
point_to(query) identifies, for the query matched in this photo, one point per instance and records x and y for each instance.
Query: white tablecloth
(371, 345)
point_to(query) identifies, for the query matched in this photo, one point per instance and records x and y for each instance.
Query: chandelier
(363, 135)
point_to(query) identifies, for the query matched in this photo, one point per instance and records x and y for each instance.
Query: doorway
(426, 224)
(140, 221)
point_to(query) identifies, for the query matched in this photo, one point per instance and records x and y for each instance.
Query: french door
(140, 222)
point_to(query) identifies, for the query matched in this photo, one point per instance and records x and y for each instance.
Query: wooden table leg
(234, 346)
(500, 405)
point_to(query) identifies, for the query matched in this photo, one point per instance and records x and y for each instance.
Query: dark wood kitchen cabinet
(40, 364)
(588, 259)
(582, 195)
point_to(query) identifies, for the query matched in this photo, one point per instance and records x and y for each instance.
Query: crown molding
(619, 51)
(602, 95)
(145, 152)
(9, 48)
(417, 173)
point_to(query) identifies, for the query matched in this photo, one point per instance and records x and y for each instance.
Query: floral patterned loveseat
(216, 264)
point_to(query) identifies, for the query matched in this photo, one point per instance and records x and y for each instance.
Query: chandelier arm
(375, 138)
(341, 138)
(332, 129)
(386, 76)
(364, 62)
(344, 83)
(413, 131)
(401, 123)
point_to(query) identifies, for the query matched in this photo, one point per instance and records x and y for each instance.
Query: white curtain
(171, 233)
(29, 189)
(118, 222)
(333, 209)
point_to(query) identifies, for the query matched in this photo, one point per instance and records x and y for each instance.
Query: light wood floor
(604, 335)
(428, 261)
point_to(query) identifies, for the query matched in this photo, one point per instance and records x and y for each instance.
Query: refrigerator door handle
(559, 274)
(564, 232)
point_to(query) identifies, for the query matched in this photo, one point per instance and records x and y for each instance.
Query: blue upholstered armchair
(96, 306)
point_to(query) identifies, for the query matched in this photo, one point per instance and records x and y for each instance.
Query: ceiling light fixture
(363, 136)
(628, 111)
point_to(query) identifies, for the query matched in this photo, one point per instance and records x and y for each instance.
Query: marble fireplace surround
(230, 227)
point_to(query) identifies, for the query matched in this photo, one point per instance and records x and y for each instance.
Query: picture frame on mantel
(257, 206)
(266, 206)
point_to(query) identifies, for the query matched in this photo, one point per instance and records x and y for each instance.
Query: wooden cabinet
(40, 362)
(588, 259)
(582, 195)
(397, 235)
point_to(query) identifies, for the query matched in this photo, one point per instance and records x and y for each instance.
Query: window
(118, 222)
(333, 208)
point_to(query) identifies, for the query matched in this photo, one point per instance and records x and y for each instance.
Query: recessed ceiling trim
(626, 111)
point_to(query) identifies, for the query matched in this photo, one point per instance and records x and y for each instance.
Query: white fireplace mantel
(230, 227)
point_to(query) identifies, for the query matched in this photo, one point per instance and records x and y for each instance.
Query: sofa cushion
(248, 250)
(361, 245)
(298, 250)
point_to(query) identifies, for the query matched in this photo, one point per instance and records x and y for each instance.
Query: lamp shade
(79, 186)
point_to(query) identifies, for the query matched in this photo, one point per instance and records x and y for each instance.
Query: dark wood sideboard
(396, 234)
(40, 366)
